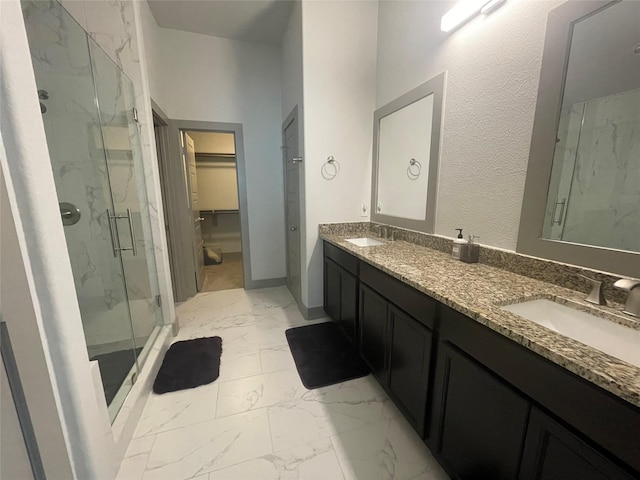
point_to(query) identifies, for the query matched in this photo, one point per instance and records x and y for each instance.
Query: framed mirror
(582, 194)
(406, 148)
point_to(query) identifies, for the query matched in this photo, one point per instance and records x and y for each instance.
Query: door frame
(293, 116)
(189, 158)
(183, 222)
(162, 145)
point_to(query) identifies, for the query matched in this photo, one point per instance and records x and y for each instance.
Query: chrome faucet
(380, 229)
(595, 296)
(631, 285)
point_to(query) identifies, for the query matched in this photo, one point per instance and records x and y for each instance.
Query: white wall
(493, 68)
(292, 74)
(339, 64)
(153, 57)
(214, 79)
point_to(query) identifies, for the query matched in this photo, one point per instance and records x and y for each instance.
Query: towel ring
(330, 168)
(414, 169)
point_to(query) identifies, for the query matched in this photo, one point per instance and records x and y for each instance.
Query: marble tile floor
(257, 421)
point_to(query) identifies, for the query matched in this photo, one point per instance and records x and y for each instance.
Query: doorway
(196, 229)
(210, 157)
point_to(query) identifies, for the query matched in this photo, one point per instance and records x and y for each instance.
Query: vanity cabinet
(501, 411)
(481, 421)
(409, 366)
(341, 289)
(553, 452)
(395, 343)
(374, 332)
(486, 406)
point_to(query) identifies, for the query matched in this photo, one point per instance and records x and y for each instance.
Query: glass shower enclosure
(594, 191)
(87, 106)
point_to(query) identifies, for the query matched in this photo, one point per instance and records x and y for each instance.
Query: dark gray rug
(189, 364)
(324, 355)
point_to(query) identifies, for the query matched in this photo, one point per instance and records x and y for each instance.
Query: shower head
(43, 108)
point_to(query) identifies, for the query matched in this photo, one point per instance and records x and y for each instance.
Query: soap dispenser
(469, 251)
(457, 243)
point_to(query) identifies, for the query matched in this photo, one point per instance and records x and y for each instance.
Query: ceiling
(262, 21)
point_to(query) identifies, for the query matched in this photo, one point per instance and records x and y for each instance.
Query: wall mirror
(406, 141)
(582, 194)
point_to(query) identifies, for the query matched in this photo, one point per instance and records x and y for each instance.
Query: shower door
(130, 212)
(594, 190)
(86, 104)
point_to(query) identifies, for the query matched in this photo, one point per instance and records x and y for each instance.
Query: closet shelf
(214, 212)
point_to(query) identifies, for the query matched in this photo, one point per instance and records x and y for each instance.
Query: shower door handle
(558, 221)
(113, 240)
(133, 248)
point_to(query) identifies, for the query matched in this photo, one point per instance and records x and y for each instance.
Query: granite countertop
(479, 290)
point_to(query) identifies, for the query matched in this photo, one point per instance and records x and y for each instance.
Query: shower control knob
(293, 229)
(70, 213)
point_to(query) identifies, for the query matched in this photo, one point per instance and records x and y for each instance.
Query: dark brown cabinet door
(482, 422)
(410, 355)
(331, 289)
(348, 304)
(552, 452)
(373, 332)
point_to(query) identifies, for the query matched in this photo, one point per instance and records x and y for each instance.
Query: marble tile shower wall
(604, 203)
(122, 145)
(565, 155)
(112, 24)
(60, 55)
(73, 127)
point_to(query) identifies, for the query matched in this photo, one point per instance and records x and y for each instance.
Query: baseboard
(266, 283)
(175, 327)
(312, 313)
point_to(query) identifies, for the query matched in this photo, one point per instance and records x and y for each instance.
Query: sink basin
(365, 242)
(608, 337)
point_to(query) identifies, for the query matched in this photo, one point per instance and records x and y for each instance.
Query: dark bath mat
(114, 368)
(189, 364)
(324, 355)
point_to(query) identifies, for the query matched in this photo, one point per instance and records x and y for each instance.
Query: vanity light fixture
(491, 6)
(465, 10)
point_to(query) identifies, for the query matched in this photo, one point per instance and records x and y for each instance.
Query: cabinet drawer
(415, 303)
(342, 258)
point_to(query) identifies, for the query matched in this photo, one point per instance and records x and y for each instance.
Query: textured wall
(339, 95)
(493, 68)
